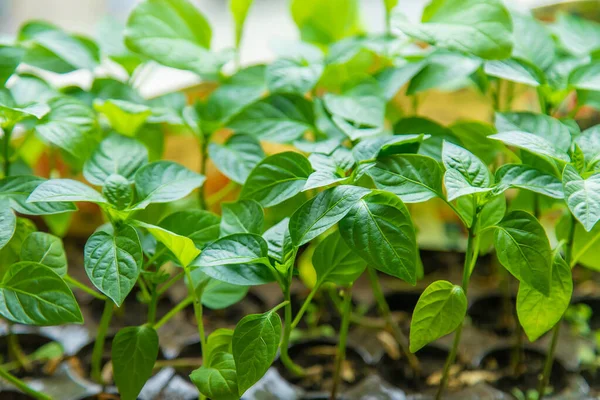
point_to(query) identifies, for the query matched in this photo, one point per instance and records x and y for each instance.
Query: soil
(318, 357)
(29, 343)
(321, 312)
(11, 395)
(192, 353)
(490, 314)
(131, 313)
(499, 361)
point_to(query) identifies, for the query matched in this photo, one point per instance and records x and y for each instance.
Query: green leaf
(392, 79)
(374, 148)
(33, 294)
(123, 116)
(534, 42)
(10, 58)
(515, 70)
(61, 190)
(12, 114)
(538, 313)
(182, 247)
(444, 70)
(219, 380)
(254, 346)
(113, 261)
(576, 35)
(218, 295)
(432, 147)
(492, 212)
(532, 143)
(329, 169)
(134, 352)
(52, 49)
(380, 230)
(117, 190)
(245, 274)
(278, 118)
(479, 27)
(110, 38)
(11, 252)
(335, 262)
(586, 77)
(356, 112)
(199, 225)
(8, 223)
(239, 248)
(164, 181)
(544, 126)
(239, 9)
(171, 32)
(278, 240)
(277, 178)
(589, 142)
(243, 216)
(323, 211)
(115, 155)
(523, 249)
(325, 21)
(414, 178)
(582, 196)
(292, 76)
(465, 173)
(218, 341)
(69, 126)
(45, 249)
(440, 310)
(237, 157)
(529, 178)
(473, 136)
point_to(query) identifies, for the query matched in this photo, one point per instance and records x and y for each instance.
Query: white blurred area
(268, 23)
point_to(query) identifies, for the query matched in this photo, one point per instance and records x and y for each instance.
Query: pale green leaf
(45, 249)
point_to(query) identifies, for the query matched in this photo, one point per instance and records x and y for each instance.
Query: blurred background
(269, 22)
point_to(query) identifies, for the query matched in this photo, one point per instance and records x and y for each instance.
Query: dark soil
(492, 314)
(11, 395)
(29, 343)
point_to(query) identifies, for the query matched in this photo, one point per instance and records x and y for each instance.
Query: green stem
(22, 386)
(17, 352)
(197, 309)
(7, 135)
(221, 194)
(203, 142)
(470, 260)
(75, 283)
(341, 349)
(384, 309)
(545, 378)
(285, 342)
(305, 306)
(170, 283)
(155, 257)
(180, 306)
(99, 343)
(152, 307)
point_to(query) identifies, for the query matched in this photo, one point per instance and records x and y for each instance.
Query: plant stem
(152, 307)
(384, 309)
(341, 349)
(305, 305)
(170, 283)
(75, 283)
(22, 386)
(545, 378)
(470, 260)
(221, 194)
(7, 135)
(285, 341)
(197, 310)
(183, 304)
(203, 143)
(99, 344)
(17, 352)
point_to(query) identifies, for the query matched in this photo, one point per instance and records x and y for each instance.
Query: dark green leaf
(544, 126)
(237, 157)
(243, 216)
(115, 155)
(582, 196)
(61, 190)
(239, 248)
(529, 178)
(335, 262)
(45, 249)
(10, 58)
(278, 240)
(329, 169)
(291, 76)
(8, 223)
(219, 380)
(533, 143)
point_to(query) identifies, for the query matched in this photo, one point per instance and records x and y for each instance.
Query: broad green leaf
(544, 126)
(586, 77)
(380, 230)
(523, 249)
(29, 89)
(532, 143)
(538, 313)
(278, 118)
(356, 113)
(115, 155)
(113, 261)
(329, 169)
(10, 58)
(237, 156)
(10, 114)
(292, 76)
(323, 211)
(585, 247)
(239, 9)
(465, 173)
(199, 225)
(69, 126)
(479, 27)
(123, 116)
(515, 70)
(243, 216)
(61, 190)
(278, 240)
(50, 48)
(473, 136)
(335, 262)
(110, 36)
(45, 249)
(134, 352)
(533, 41)
(492, 212)
(373, 148)
(219, 380)
(432, 147)
(443, 70)
(8, 223)
(325, 21)
(164, 181)
(218, 295)
(589, 142)
(254, 346)
(11, 252)
(414, 178)
(577, 35)
(245, 274)
(582, 196)
(171, 32)
(33, 294)
(458, 185)
(440, 310)
(277, 178)
(392, 79)
(529, 178)
(239, 248)
(182, 247)
(117, 190)
(218, 341)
